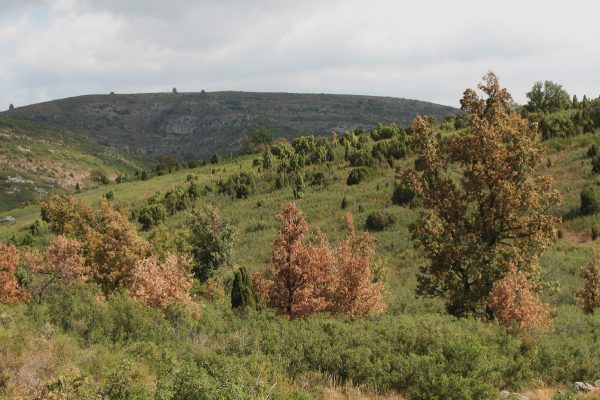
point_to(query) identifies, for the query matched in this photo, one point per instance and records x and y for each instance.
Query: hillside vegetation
(36, 159)
(196, 125)
(174, 287)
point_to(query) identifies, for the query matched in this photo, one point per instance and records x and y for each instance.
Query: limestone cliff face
(195, 125)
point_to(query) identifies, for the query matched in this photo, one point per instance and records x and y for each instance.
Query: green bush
(152, 215)
(358, 175)
(177, 199)
(38, 228)
(238, 186)
(124, 382)
(345, 203)
(194, 191)
(361, 159)
(99, 176)
(589, 201)
(390, 151)
(299, 187)
(386, 132)
(379, 220)
(211, 377)
(402, 195)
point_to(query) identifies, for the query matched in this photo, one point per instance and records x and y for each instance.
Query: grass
(557, 357)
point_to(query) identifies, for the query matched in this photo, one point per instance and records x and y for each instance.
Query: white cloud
(429, 50)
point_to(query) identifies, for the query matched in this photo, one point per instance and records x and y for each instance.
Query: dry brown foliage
(486, 205)
(213, 289)
(113, 247)
(63, 262)
(515, 304)
(308, 278)
(355, 294)
(589, 296)
(156, 283)
(67, 215)
(10, 291)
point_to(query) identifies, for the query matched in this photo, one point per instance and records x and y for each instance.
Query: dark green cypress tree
(299, 187)
(242, 291)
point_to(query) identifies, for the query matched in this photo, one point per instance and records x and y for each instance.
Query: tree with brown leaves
(67, 215)
(11, 292)
(355, 294)
(62, 262)
(308, 278)
(110, 241)
(297, 275)
(515, 304)
(589, 296)
(113, 247)
(485, 206)
(156, 283)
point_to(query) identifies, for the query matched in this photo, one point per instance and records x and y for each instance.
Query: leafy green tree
(242, 291)
(212, 240)
(215, 159)
(152, 215)
(267, 159)
(260, 136)
(177, 199)
(493, 215)
(548, 97)
(167, 240)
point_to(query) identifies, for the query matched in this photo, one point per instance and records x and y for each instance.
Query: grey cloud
(15, 5)
(356, 46)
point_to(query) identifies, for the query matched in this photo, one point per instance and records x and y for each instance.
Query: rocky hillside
(36, 160)
(195, 125)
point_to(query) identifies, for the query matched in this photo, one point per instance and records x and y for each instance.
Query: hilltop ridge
(196, 125)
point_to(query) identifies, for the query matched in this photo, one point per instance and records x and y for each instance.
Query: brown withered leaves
(309, 278)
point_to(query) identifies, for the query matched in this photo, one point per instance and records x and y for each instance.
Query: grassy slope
(256, 226)
(36, 159)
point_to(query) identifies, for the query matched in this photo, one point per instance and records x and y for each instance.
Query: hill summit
(196, 125)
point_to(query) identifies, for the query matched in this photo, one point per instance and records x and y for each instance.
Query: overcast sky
(427, 50)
